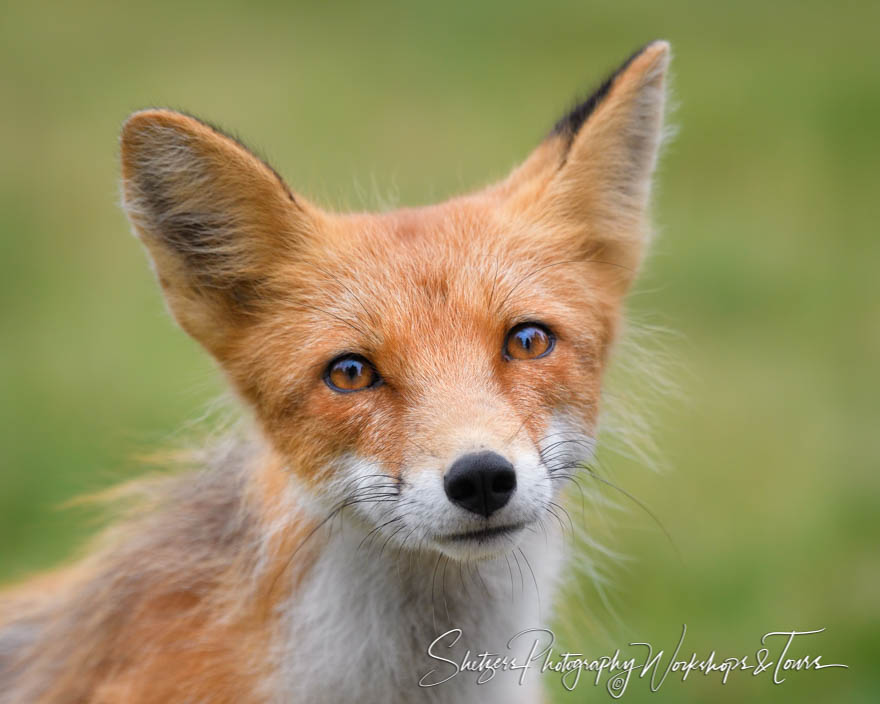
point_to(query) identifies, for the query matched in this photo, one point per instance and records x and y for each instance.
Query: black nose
(481, 482)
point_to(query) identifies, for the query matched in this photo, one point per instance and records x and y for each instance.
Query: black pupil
(352, 369)
(527, 337)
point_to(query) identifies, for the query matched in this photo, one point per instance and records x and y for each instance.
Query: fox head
(436, 369)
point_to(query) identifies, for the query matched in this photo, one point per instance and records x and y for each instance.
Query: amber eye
(351, 372)
(528, 341)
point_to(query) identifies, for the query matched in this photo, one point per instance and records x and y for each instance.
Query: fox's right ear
(214, 217)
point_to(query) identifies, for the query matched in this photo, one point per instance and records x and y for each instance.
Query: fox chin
(422, 384)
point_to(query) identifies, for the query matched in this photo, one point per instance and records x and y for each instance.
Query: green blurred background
(766, 268)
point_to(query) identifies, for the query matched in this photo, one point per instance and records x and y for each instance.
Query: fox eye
(528, 341)
(351, 372)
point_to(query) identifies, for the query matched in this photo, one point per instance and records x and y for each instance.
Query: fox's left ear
(590, 180)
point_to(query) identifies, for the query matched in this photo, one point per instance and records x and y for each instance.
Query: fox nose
(481, 482)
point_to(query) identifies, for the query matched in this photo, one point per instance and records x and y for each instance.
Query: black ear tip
(569, 125)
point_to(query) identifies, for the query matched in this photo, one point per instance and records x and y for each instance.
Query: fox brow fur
(183, 536)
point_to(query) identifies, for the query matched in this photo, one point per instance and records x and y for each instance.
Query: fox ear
(213, 216)
(591, 177)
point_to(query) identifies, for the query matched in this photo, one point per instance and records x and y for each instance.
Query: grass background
(766, 268)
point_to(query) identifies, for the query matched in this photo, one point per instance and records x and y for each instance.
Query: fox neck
(364, 617)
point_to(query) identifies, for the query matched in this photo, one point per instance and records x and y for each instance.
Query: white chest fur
(360, 624)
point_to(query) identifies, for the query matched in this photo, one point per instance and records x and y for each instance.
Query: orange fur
(274, 287)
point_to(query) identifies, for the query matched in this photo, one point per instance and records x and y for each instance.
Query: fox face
(436, 372)
(434, 364)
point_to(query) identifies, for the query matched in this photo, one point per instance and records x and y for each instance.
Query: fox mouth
(483, 535)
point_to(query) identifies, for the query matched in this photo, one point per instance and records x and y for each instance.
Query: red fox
(422, 384)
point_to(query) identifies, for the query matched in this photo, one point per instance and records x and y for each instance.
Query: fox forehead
(421, 289)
